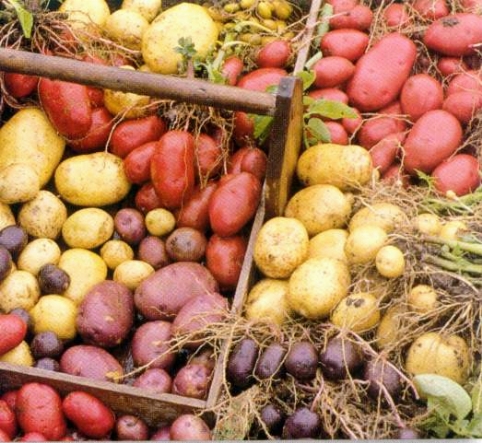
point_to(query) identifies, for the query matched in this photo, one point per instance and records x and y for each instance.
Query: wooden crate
(286, 108)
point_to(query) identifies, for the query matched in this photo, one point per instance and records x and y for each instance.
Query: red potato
(137, 164)
(173, 171)
(39, 409)
(386, 151)
(98, 134)
(334, 94)
(332, 71)
(34, 436)
(162, 434)
(146, 198)
(469, 81)
(463, 105)
(193, 381)
(234, 203)
(249, 159)
(460, 174)
(396, 175)
(10, 398)
(455, 34)
(96, 94)
(472, 6)
(448, 66)
(8, 421)
(342, 5)
(190, 427)
(90, 415)
(337, 132)
(194, 213)
(155, 380)
(224, 258)
(347, 43)
(431, 9)
(262, 78)
(352, 125)
(421, 93)
(396, 15)
(380, 73)
(231, 70)
(20, 85)
(208, 155)
(359, 17)
(243, 131)
(132, 133)
(274, 54)
(433, 138)
(131, 428)
(67, 106)
(4, 436)
(14, 330)
(152, 250)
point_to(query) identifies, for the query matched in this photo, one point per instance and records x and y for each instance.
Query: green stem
(474, 248)
(450, 265)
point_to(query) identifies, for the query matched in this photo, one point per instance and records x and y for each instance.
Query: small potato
(114, 252)
(85, 13)
(358, 312)
(267, 301)
(20, 355)
(160, 222)
(386, 215)
(132, 272)
(37, 253)
(43, 216)
(423, 299)
(452, 230)
(6, 216)
(427, 223)
(319, 207)
(329, 243)
(19, 182)
(317, 286)
(19, 289)
(88, 228)
(389, 327)
(390, 261)
(85, 268)
(148, 8)
(281, 246)
(186, 244)
(363, 244)
(126, 27)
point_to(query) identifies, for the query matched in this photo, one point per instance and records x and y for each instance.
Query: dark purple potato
(130, 427)
(190, 427)
(156, 380)
(302, 360)
(162, 434)
(303, 423)
(192, 380)
(14, 238)
(340, 358)
(52, 279)
(152, 250)
(5, 262)
(378, 373)
(25, 316)
(241, 363)
(408, 434)
(273, 418)
(46, 344)
(48, 364)
(129, 224)
(186, 244)
(270, 361)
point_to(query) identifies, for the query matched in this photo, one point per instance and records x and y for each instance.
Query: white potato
(358, 312)
(132, 272)
(363, 244)
(148, 8)
(423, 299)
(88, 228)
(329, 243)
(115, 251)
(427, 223)
(19, 182)
(126, 27)
(6, 216)
(390, 261)
(19, 289)
(85, 13)
(387, 216)
(37, 253)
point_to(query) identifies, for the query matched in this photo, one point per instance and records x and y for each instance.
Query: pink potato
(359, 17)
(460, 174)
(421, 93)
(332, 71)
(386, 151)
(463, 105)
(348, 43)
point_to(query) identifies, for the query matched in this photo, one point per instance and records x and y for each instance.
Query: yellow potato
(363, 244)
(389, 327)
(390, 261)
(132, 272)
(387, 216)
(434, 353)
(452, 230)
(317, 286)
(96, 179)
(43, 216)
(148, 8)
(85, 268)
(429, 224)
(114, 252)
(29, 137)
(266, 301)
(329, 243)
(185, 20)
(19, 355)
(55, 313)
(19, 289)
(88, 228)
(126, 27)
(319, 207)
(281, 245)
(346, 167)
(160, 222)
(85, 13)
(6, 216)
(19, 182)
(422, 299)
(358, 312)
(37, 253)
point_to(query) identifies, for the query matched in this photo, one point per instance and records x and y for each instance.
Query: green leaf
(318, 130)
(477, 398)
(186, 47)
(475, 426)
(307, 77)
(262, 127)
(331, 109)
(444, 395)
(323, 27)
(24, 17)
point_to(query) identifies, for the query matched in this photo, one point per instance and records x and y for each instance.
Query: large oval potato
(96, 179)
(346, 167)
(88, 228)
(161, 39)
(319, 207)
(29, 137)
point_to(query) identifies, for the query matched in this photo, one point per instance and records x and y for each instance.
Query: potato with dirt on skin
(363, 244)
(85, 14)
(319, 207)
(88, 228)
(358, 312)
(281, 245)
(390, 325)
(43, 216)
(20, 289)
(387, 216)
(19, 182)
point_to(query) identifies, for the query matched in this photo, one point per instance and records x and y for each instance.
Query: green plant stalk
(474, 248)
(450, 265)
(460, 204)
